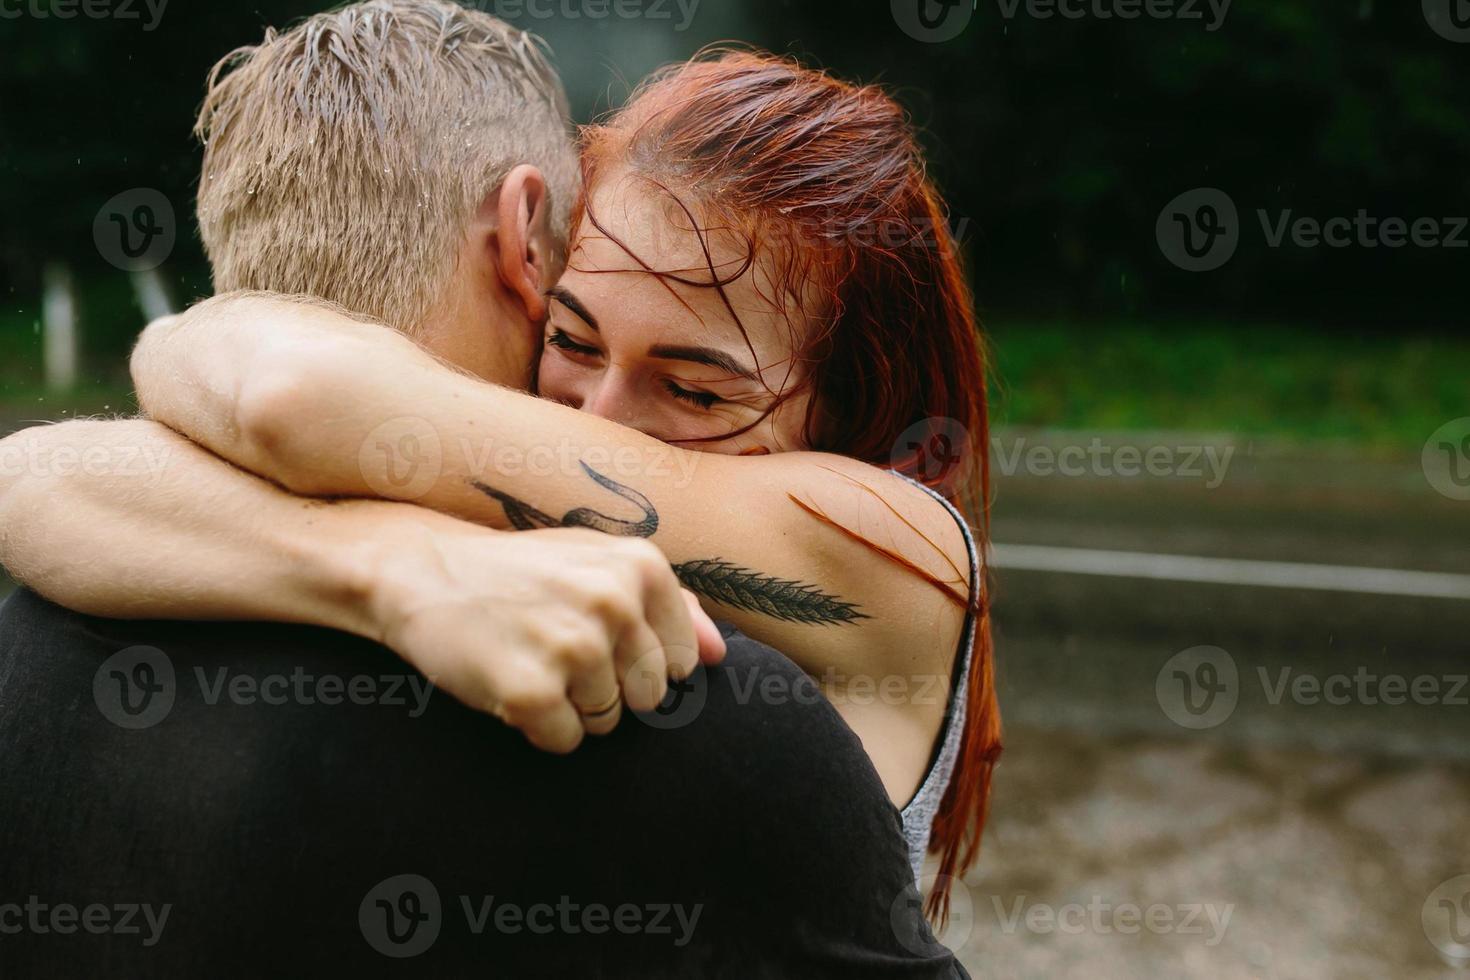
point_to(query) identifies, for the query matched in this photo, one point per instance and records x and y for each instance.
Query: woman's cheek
(785, 430)
(558, 379)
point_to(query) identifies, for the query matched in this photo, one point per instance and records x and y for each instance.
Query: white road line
(1230, 571)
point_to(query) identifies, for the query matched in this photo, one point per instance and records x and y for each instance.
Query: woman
(759, 269)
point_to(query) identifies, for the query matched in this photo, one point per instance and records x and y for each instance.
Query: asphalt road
(1321, 794)
(1083, 652)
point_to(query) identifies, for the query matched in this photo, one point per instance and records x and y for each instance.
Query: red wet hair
(826, 184)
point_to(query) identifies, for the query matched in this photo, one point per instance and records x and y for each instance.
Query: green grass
(19, 406)
(1377, 392)
(109, 322)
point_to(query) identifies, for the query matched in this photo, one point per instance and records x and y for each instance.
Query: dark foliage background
(1058, 141)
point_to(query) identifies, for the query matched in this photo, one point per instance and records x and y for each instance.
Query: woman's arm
(128, 519)
(327, 405)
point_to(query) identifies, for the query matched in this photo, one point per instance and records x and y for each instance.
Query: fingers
(536, 702)
(672, 620)
(556, 728)
(644, 668)
(597, 697)
(711, 643)
(610, 624)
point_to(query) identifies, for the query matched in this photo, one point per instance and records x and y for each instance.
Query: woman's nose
(611, 398)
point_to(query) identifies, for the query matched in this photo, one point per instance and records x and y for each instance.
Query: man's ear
(522, 236)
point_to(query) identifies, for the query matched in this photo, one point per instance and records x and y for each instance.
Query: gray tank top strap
(918, 815)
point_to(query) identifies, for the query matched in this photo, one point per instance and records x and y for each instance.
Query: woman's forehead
(669, 232)
(636, 231)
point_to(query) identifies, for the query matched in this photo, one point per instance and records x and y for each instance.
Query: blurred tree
(1058, 140)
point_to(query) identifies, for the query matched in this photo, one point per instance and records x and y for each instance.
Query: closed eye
(561, 340)
(703, 399)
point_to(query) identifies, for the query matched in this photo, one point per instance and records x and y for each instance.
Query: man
(188, 798)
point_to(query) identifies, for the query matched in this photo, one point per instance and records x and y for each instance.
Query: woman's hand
(550, 631)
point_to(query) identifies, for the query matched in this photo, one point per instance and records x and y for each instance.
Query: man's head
(410, 160)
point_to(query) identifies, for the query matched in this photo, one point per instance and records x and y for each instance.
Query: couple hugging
(700, 356)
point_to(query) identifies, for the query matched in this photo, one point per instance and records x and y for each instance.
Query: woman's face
(659, 356)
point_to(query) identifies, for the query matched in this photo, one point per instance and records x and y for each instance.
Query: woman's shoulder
(892, 530)
(883, 500)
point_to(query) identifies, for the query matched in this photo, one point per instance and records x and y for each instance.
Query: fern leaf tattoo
(741, 588)
(714, 578)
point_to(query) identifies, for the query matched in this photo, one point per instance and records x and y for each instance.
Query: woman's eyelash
(703, 399)
(560, 339)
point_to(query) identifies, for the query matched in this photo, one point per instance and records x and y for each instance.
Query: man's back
(201, 776)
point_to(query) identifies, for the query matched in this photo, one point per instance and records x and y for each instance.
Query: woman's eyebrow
(703, 355)
(565, 297)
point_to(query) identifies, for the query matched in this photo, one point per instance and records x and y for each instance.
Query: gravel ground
(1261, 863)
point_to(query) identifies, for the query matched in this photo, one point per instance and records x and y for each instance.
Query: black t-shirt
(185, 799)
